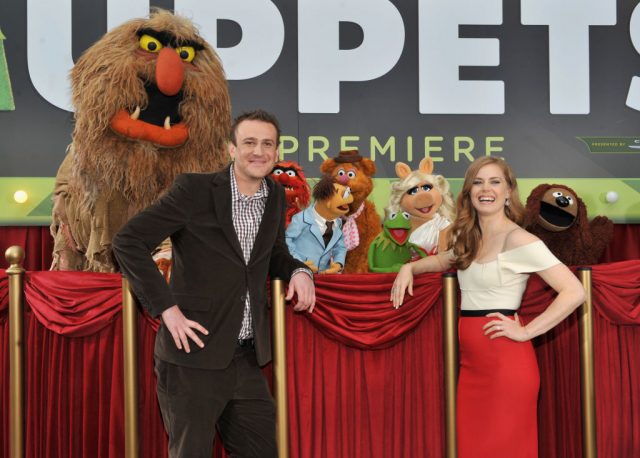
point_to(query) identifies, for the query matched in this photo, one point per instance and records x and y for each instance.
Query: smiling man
(227, 230)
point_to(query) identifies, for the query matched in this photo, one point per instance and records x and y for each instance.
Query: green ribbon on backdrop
(6, 95)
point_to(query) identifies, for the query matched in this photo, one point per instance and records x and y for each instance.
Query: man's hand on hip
(302, 285)
(182, 329)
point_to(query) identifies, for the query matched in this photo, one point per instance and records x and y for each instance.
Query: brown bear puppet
(151, 102)
(362, 223)
(558, 217)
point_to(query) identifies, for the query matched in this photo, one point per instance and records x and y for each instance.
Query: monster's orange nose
(169, 72)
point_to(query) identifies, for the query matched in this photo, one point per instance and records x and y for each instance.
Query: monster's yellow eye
(148, 43)
(186, 53)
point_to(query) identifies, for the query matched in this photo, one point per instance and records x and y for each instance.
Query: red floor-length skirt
(497, 395)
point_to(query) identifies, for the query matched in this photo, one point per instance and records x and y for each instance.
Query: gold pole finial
(14, 256)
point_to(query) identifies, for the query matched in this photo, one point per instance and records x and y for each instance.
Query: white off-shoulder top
(499, 284)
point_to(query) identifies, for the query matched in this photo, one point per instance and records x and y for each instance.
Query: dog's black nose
(562, 201)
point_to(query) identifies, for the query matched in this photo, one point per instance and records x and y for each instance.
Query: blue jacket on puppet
(304, 234)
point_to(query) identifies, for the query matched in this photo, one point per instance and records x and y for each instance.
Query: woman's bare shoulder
(519, 237)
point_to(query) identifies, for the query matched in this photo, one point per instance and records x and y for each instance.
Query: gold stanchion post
(14, 256)
(280, 367)
(587, 389)
(130, 361)
(450, 336)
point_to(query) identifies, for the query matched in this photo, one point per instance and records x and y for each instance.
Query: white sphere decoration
(612, 197)
(20, 196)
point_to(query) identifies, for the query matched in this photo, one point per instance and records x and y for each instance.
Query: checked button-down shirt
(247, 214)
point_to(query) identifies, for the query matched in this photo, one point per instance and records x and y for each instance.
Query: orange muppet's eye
(186, 53)
(148, 43)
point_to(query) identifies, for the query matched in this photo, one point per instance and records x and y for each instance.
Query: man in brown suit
(227, 230)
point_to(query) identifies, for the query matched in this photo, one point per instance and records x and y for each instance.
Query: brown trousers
(236, 401)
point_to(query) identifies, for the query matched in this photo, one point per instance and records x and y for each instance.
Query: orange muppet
(362, 222)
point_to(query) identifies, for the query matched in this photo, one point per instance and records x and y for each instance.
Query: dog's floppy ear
(582, 220)
(532, 207)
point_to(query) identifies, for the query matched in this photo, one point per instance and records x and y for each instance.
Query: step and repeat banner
(553, 86)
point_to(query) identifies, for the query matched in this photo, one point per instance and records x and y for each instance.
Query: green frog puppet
(391, 249)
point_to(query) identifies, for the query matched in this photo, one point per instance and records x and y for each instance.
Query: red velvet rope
(353, 309)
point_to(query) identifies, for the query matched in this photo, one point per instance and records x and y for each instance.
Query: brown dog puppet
(315, 234)
(362, 223)
(558, 217)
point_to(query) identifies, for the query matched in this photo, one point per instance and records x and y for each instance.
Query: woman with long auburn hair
(499, 379)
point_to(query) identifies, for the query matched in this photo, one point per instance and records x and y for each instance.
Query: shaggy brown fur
(571, 237)
(102, 166)
(361, 184)
(110, 76)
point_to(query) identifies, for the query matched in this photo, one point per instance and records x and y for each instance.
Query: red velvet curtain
(360, 373)
(36, 242)
(616, 297)
(365, 380)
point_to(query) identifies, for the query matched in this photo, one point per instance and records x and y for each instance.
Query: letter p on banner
(322, 65)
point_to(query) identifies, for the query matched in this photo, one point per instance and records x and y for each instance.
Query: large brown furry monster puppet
(559, 218)
(362, 223)
(151, 102)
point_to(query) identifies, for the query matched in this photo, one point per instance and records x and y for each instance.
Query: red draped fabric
(38, 244)
(616, 297)
(365, 380)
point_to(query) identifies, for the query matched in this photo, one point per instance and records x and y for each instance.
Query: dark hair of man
(255, 115)
(324, 189)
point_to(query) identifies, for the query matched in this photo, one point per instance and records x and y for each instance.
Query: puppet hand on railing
(312, 266)
(334, 268)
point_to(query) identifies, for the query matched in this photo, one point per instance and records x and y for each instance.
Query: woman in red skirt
(499, 379)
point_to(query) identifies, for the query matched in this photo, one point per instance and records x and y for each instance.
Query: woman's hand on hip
(504, 326)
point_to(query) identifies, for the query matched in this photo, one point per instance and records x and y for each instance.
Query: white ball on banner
(612, 197)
